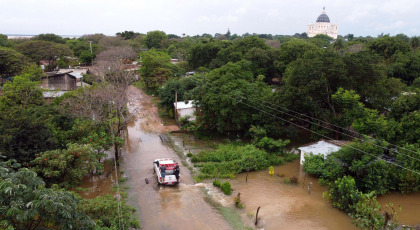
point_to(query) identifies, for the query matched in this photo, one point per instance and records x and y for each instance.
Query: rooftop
(184, 104)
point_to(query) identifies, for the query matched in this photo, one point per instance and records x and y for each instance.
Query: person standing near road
(176, 172)
(163, 172)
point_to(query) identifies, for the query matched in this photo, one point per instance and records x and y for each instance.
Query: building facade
(323, 26)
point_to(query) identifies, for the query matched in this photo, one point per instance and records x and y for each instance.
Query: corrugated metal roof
(321, 147)
(49, 94)
(183, 105)
(76, 75)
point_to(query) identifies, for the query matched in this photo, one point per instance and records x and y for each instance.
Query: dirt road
(180, 207)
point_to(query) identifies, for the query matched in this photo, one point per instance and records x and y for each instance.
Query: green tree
(405, 67)
(387, 46)
(43, 50)
(155, 69)
(23, 134)
(86, 57)
(291, 51)
(66, 167)
(338, 44)
(78, 47)
(11, 62)
(377, 90)
(110, 213)
(219, 99)
(50, 38)
(367, 213)
(127, 35)
(203, 53)
(414, 43)
(155, 39)
(183, 86)
(33, 72)
(321, 40)
(3, 40)
(21, 92)
(25, 203)
(343, 194)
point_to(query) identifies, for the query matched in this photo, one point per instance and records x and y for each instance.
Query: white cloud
(360, 17)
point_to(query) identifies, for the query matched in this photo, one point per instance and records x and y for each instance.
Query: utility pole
(176, 105)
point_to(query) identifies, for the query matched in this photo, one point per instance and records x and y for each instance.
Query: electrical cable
(390, 162)
(414, 158)
(325, 122)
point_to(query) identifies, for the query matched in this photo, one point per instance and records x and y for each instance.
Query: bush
(189, 154)
(217, 183)
(228, 160)
(226, 189)
(238, 202)
(343, 194)
(272, 146)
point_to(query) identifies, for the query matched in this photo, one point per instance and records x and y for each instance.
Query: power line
(327, 137)
(414, 158)
(325, 122)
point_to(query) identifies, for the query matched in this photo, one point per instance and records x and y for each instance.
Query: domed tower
(323, 26)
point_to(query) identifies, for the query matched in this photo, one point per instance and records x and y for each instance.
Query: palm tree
(338, 44)
(415, 43)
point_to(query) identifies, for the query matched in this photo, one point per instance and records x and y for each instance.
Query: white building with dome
(323, 26)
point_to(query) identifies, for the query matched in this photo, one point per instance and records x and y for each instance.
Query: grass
(230, 215)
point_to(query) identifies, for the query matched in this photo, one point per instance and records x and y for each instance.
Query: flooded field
(287, 206)
(197, 206)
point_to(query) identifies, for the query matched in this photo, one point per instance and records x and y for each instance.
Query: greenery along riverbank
(230, 159)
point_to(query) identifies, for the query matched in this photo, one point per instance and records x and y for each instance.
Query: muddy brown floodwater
(287, 206)
(180, 207)
(186, 206)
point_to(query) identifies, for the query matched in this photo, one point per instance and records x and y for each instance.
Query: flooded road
(288, 206)
(159, 207)
(191, 206)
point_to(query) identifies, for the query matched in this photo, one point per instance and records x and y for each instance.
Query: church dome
(323, 17)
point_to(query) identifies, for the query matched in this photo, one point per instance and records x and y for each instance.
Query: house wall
(185, 112)
(63, 82)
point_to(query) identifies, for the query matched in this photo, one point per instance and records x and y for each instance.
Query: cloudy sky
(78, 17)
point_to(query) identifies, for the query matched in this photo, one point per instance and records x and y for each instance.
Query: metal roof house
(184, 108)
(323, 147)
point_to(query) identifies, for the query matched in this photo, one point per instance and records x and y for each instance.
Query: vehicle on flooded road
(167, 171)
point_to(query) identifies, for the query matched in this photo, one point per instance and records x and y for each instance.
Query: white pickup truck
(170, 178)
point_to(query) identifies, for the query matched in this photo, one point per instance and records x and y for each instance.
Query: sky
(192, 17)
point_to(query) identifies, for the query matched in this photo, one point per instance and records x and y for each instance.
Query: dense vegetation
(46, 149)
(262, 86)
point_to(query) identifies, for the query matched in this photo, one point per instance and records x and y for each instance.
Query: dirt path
(180, 207)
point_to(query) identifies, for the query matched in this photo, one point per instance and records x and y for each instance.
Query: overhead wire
(414, 158)
(325, 122)
(390, 162)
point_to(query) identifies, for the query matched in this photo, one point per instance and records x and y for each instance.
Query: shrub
(343, 194)
(189, 154)
(238, 202)
(286, 180)
(228, 160)
(217, 183)
(226, 189)
(293, 180)
(272, 146)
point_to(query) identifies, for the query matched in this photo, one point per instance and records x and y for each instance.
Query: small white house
(322, 147)
(184, 108)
